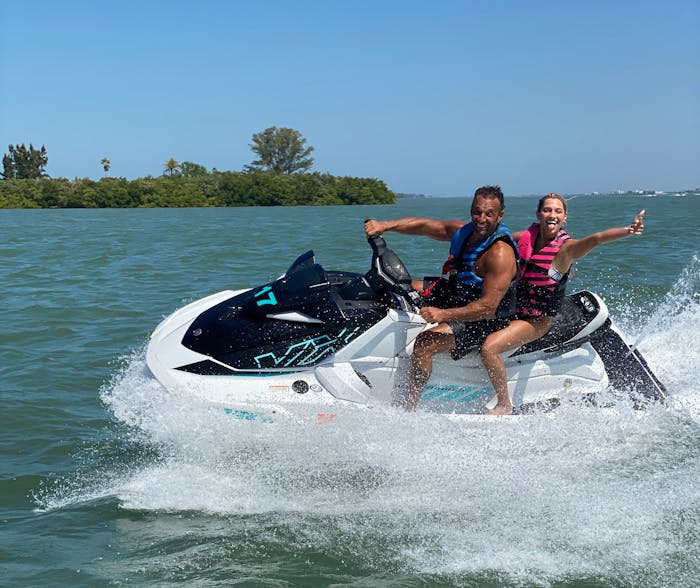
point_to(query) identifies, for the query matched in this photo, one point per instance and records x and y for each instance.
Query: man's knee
(421, 343)
(427, 343)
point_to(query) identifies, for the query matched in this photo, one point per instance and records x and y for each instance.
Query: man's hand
(432, 314)
(373, 227)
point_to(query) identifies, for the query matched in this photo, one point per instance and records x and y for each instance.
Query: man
(483, 271)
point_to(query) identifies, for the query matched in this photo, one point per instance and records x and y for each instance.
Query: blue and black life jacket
(462, 265)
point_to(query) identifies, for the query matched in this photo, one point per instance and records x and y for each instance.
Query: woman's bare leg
(517, 333)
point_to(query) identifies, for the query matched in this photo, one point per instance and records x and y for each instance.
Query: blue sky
(431, 97)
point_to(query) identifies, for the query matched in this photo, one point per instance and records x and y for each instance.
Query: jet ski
(313, 340)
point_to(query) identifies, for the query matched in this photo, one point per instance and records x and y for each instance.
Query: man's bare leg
(439, 339)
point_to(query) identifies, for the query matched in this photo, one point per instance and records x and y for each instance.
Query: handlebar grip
(377, 243)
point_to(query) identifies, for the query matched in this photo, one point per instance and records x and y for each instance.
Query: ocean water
(105, 480)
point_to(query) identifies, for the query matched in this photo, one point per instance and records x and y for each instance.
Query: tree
(191, 170)
(106, 164)
(280, 150)
(25, 164)
(172, 167)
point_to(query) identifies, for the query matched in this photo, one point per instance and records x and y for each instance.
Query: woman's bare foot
(501, 409)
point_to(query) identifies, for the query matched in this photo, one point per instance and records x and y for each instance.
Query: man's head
(487, 210)
(492, 192)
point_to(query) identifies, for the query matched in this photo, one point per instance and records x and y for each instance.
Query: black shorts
(470, 335)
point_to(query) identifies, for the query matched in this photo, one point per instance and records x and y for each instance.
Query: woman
(547, 253)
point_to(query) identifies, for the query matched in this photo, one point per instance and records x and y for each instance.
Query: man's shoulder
(500, 250)
(501, 244)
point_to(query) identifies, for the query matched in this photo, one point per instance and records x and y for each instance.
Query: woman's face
(551, 217)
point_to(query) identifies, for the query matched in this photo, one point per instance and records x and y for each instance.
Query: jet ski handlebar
(388, 272)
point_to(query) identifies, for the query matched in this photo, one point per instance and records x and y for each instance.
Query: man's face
(486, 215)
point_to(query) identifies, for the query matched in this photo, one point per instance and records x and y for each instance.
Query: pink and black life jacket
(541, 287)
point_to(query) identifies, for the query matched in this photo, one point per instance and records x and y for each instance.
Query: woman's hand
(637, 225)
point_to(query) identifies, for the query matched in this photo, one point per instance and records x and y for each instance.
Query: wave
(667, 340)
(579, 492)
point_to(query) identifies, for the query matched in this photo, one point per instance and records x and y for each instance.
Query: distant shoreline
(690, 192)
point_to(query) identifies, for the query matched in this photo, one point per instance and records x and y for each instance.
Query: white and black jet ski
(314, 339)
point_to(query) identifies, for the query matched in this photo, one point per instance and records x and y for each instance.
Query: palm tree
(171, 167)
(105, 164)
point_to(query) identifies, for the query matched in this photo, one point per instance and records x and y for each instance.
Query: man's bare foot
(411, 404)
(500, 409)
